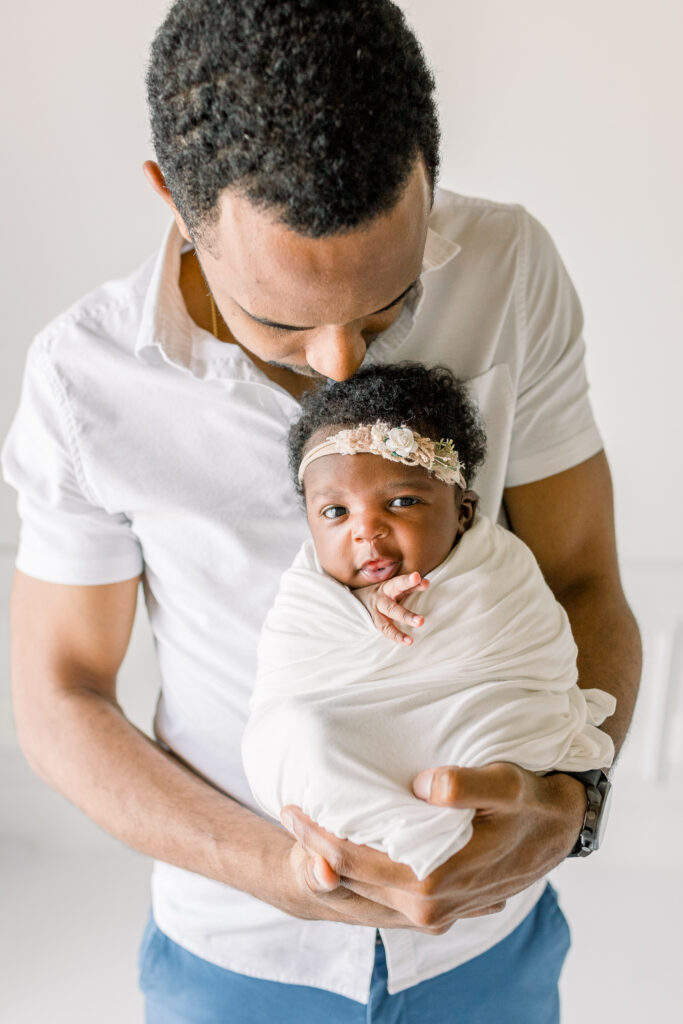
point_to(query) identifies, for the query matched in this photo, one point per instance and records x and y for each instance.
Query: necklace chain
(214, 316)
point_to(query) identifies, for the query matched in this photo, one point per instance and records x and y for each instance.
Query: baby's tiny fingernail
(407, 640)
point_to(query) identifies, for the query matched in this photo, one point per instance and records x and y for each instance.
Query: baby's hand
(383, 602)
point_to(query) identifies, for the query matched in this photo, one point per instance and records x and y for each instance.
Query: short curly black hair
(431, 400)
(317, 109)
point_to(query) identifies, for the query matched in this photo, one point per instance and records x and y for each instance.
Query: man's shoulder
(105, 320)
(493, 234)
(454, 214)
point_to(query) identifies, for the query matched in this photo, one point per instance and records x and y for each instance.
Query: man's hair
(317, 109)
(430, 400)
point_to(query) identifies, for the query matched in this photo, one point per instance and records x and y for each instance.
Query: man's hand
(383, 601)
(306, 887)
(523, 827)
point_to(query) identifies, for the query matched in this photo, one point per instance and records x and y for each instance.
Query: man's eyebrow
(288, 327)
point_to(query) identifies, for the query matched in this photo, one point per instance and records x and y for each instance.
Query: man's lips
(375, 570)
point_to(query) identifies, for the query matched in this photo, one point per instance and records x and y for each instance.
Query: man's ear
(467, 510)
(155, 177)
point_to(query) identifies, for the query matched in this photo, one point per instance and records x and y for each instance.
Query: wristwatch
(599, 793)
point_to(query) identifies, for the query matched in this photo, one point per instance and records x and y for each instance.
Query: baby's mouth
(376, 570)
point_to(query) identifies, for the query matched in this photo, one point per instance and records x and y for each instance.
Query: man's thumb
(319, 875)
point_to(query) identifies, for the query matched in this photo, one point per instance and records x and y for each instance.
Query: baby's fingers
(396, 612)
(390, 630)
(401, 586)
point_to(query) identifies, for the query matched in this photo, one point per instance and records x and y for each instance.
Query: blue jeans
(515, 982)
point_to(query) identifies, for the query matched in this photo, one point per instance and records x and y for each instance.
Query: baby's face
(372, 519)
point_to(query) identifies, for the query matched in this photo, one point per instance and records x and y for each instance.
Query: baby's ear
(467, 510)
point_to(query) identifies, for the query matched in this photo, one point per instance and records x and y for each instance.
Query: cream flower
(401, 441)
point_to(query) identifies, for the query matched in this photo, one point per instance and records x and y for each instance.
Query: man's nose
(337, 352)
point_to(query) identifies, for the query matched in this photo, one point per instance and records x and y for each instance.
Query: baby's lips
(378, 563)
(379, 570)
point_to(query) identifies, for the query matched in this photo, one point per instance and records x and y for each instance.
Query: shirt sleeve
(554, 428)
(66, 535)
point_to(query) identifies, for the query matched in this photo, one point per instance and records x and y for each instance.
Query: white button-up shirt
(142, 444)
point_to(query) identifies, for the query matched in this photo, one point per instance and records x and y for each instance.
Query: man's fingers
(496, 787)
(319, 875)
(344, 858)
(495, 908)
(422, 912)
(351, 907)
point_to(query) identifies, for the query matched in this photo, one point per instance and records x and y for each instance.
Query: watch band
(598, 787)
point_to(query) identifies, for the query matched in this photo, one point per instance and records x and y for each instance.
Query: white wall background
(573, 110)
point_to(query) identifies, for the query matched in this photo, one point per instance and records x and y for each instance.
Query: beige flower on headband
(401, 441)
(353, 442)
(426, 453)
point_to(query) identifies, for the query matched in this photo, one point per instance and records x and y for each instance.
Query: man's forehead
(276, 273)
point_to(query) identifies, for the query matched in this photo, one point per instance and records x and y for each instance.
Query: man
(297, 148)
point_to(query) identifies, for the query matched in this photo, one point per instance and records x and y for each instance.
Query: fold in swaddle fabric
(342, 718)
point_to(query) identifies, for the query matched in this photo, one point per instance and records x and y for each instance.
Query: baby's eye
(334, 511)
(403, 502)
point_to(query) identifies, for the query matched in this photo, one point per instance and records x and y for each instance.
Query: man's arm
(567, 520)
(525, 825)
(67, 645)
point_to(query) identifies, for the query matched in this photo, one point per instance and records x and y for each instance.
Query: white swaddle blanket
(342, 718)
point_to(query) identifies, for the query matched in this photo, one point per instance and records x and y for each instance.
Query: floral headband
(398, 444)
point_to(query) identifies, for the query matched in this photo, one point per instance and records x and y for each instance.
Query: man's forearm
(143, 796)
(610, 656)
(84, 747)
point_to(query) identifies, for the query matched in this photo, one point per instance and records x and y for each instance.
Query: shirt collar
(167, 332)
(438, 251)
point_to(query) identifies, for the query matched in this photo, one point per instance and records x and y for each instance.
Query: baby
(342, 716)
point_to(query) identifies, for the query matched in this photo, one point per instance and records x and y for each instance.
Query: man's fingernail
(422, 785)
(317, 874)
(288, 822)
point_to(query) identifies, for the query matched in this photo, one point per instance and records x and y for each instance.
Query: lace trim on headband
(398, 444)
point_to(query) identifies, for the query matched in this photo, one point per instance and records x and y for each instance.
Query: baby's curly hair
(316, 109)
(430, 400)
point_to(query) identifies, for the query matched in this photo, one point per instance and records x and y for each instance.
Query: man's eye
(403, 502)
(334, 511)
(279, 330)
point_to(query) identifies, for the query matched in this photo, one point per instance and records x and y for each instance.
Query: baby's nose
(369, 528)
